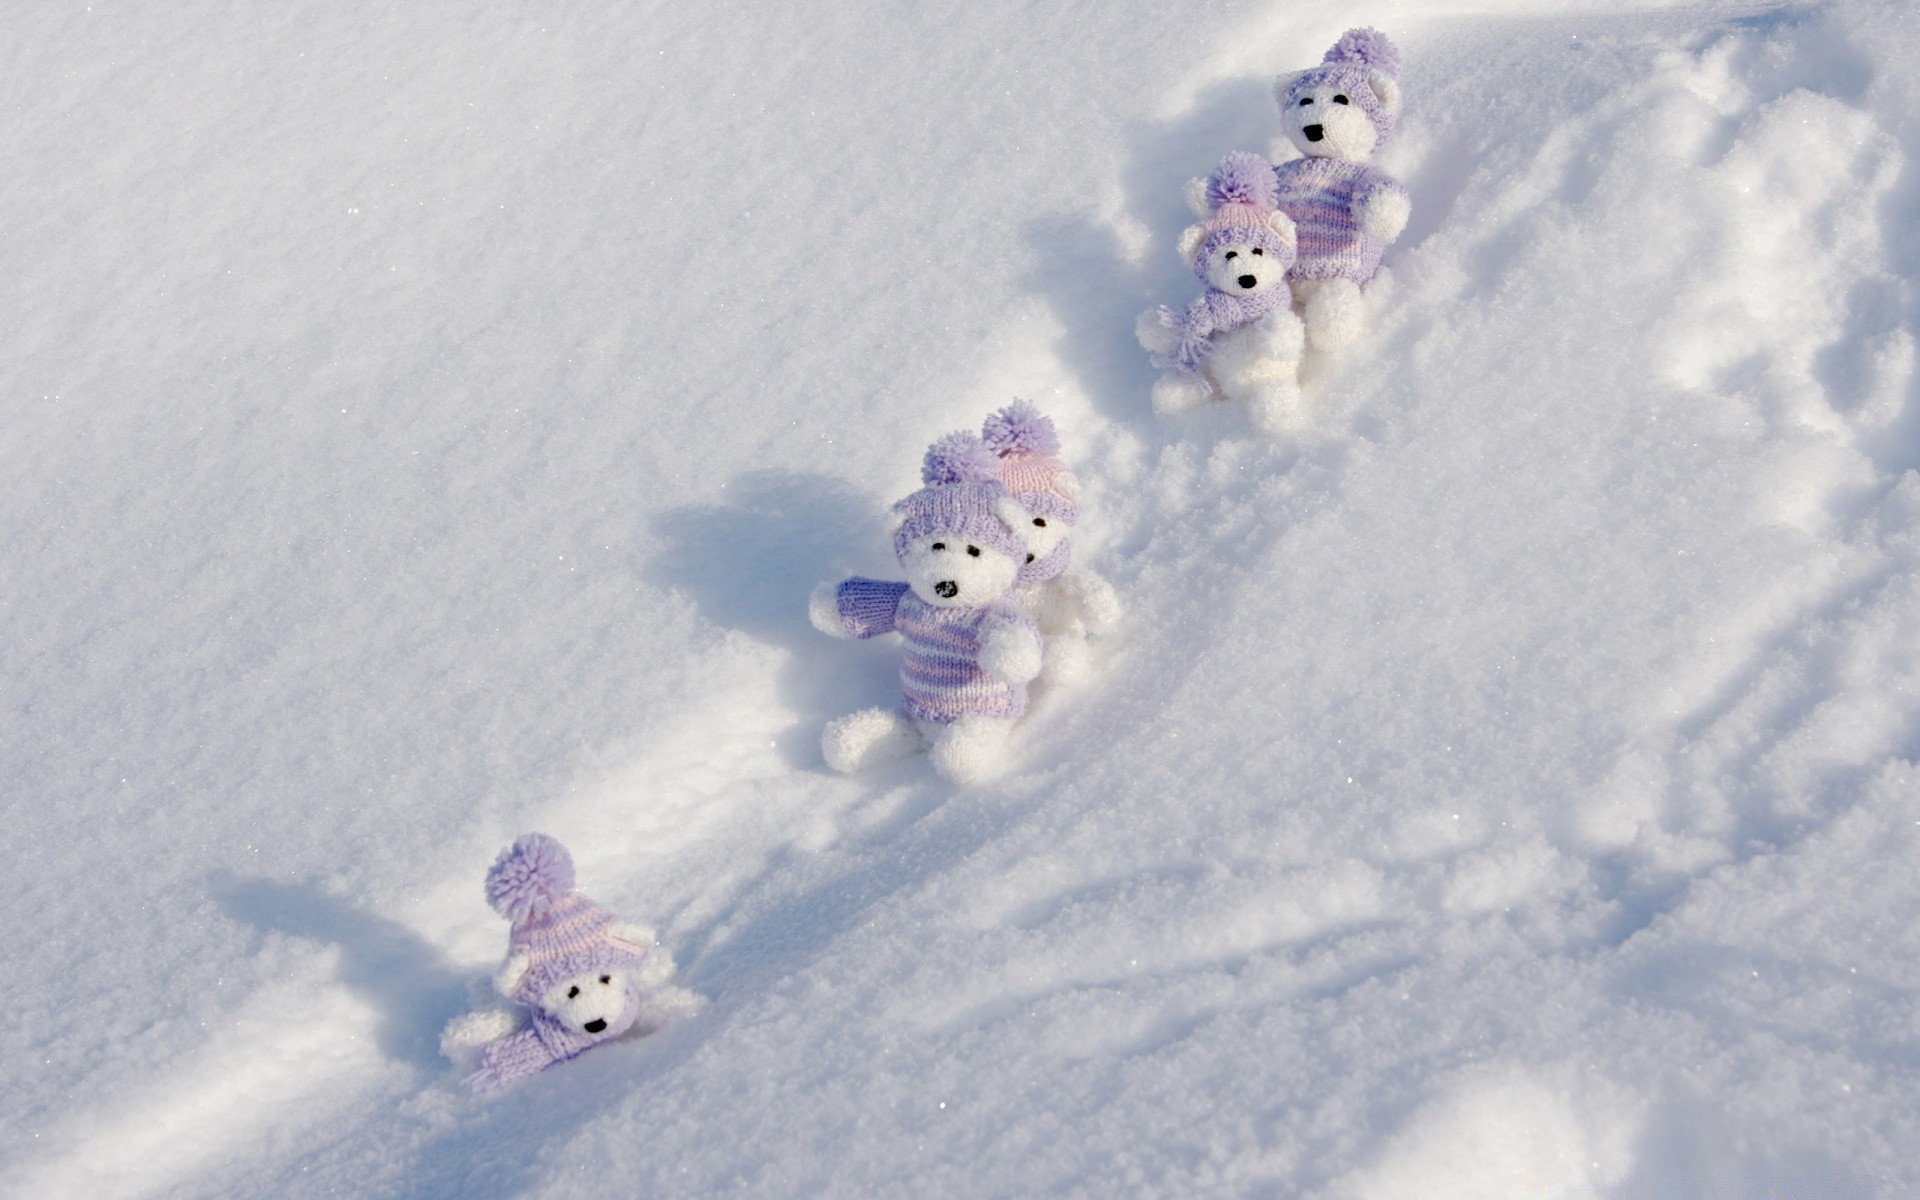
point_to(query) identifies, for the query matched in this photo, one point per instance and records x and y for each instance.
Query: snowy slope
(424, 424)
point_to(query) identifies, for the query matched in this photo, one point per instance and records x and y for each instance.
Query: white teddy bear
(1335, 116)
(1241, 338)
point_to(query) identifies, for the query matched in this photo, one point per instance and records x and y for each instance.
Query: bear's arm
(1382, 205)
(1010, 647)
(1093, 596)
(867, 607)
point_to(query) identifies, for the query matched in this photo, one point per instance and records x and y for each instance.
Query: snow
(426, 425)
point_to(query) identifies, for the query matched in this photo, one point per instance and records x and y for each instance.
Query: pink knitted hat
(1242, 196)
(1030, 465)
(562, 932)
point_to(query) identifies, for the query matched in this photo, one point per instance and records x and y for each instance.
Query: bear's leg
(869, 738)
(1333, 314)
(970, 749)
(1176, 392)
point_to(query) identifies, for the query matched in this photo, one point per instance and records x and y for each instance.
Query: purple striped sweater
(1323, 196)
(940, 674)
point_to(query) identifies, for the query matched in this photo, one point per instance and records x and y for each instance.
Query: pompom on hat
(562, 932)
(1242, 197)
(1357, 54)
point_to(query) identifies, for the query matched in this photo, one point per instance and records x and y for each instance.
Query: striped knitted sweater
(1323, 196)
(940, 674)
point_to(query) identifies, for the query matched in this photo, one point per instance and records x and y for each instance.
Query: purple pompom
(959, 458)
(1020, 429)
(1368, 48)
(1243, 178)
(529, 876)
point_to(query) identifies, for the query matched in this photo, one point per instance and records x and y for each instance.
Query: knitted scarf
(528, 1052)
(1215, 312)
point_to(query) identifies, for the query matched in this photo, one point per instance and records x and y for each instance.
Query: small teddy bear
(1347, 210)
(1241, 337)
(970, 650)
(1067, 603)
(581, 976)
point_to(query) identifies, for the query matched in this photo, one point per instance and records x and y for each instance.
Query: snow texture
(425, 423)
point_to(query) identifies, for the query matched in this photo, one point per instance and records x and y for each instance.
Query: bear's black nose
(946, 589)
(1314, 132)
(1247, 281)
(595, 1026)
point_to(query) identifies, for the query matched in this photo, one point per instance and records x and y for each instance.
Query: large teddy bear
(1067, 602)
(1241, 337)
(969, 648)
(578, 976)
(1336, 115)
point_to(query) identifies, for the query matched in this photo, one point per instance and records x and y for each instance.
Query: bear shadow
(1081, 269)
(751, 563)
(394, 969)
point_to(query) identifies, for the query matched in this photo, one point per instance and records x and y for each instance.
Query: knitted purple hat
(561, 931)
(962, 499)
(1029, 460)
(1345, 66)
(1243, 195)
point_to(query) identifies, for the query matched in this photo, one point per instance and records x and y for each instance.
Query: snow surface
(425, 423)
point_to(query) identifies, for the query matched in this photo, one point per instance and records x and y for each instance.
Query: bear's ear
(1281, 84)
(1196, 194)
(1068, 485)
(1012, 516)
(896, 517)
(1190, 242)
(1282, 224)
(508, 978)
(1383, 86)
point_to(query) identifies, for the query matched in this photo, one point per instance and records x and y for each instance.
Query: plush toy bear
(1067, 603)
(579, 976)
(1337, 115)
(970, 650)
(1241, 338)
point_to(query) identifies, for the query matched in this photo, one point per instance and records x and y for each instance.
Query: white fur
(1190, 240)
(507, 979)
(943, 558)
(1346, 132)
(1011, 652)
(1175, 393)
(1384, 213)
(1097, 604)
(1386, 88)
(1155, 336)
(823, 610)
(1013, 517)
(634, 934)
(465, 1035)
(869, 738)
(593, 996)
(1068, 485)
(1196, 193)
(1244, 269)
(971, 749)
(1041, 532)
(1333, 312)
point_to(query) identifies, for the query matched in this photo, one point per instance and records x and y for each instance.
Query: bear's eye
(939, 545)
(1232, 254)
(973, 552)
(1340, 100)
(606, 979)
(573, 991)
(1029, 558)
(1260, 252)
(1306, 101)
(1040, 522)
